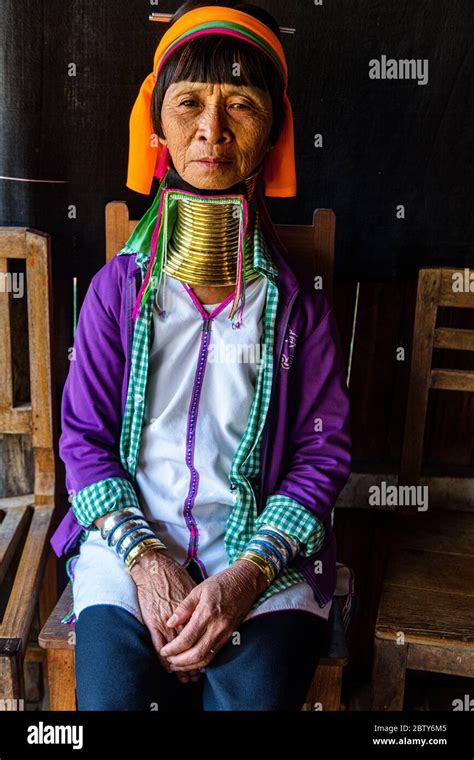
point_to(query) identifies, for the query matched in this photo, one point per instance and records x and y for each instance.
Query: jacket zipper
(130, 282)
(193, 412)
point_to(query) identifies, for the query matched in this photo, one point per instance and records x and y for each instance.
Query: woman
(205, 419)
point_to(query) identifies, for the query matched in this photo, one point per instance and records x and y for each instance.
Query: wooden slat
(312, 246)
(326, 689)
(9, 502)
(17, 420)
(441, 659)
(44, 475)
(21, 604)
(12, 684)
(12, 530)
(432, 571)
(54, 634)
(6, 386)
(425, 321)
(13, 520)
(39, 321)
(34, 653)
(62, 694)
(452, 379)
(453, 338)
(388, 677)
(426, 617)
(117, 227)
(12, 242)
(297, 237)
(49, 588)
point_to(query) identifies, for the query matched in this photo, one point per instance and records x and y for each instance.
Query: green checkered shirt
(281, 512)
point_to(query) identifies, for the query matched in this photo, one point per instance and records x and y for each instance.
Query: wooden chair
(314, 245)
(25, 521)
(426, 612)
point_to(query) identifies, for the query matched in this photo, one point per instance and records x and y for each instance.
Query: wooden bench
(426, 612)
(313, 248)
(25, 520)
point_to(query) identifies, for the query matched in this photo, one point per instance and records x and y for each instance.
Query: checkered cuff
(298, 522)
(107, 495)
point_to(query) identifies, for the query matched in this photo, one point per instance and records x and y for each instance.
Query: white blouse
(197, 404)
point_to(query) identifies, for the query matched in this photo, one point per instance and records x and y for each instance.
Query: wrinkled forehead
(215, 90)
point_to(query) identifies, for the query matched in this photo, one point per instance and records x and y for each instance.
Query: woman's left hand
(210, 613)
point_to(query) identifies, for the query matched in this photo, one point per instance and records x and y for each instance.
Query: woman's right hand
(161, 585)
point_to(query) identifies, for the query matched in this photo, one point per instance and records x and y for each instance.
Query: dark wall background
(384, 143)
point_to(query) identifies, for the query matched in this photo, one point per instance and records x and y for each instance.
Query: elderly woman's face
(217, 134)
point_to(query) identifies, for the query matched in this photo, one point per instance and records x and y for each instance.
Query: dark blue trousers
(271, 668)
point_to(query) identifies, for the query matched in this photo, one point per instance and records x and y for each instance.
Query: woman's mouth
(212, 163)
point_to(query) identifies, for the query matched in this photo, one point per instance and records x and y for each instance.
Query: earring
(162, 165)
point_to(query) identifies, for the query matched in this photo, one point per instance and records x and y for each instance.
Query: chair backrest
(437, 286)
(25, 520)
(35, 418)
(311, 247)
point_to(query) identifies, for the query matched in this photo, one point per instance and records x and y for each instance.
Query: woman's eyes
(237, 106)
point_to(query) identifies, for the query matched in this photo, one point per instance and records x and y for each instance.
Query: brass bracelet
(265, 567)
(146, 545)
(265, 563)
(152, 541)
(139, 554)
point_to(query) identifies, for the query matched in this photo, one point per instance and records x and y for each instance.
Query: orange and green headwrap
(148, 160)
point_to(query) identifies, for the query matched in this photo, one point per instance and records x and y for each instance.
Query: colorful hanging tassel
(144, 292)
(238, 303)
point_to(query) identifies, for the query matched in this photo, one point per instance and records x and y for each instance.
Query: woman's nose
(213, 125)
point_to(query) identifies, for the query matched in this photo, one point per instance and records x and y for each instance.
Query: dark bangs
(212, 59)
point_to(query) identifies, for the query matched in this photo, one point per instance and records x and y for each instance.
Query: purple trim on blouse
(193, 410)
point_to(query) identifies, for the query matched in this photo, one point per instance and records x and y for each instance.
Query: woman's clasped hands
(190, 622)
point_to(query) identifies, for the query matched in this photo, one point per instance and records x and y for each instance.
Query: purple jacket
(299, 459)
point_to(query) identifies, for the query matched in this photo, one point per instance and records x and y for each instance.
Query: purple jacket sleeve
(91, 405)
(319, 443)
